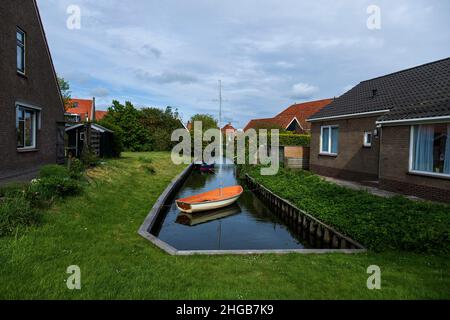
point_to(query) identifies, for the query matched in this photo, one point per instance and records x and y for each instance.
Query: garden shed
(79, 136)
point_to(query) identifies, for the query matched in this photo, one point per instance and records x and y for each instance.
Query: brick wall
(394, 168)
(37, 88)
(354, 161)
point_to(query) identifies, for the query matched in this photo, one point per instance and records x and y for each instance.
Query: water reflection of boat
(211, 200)
(207, 216)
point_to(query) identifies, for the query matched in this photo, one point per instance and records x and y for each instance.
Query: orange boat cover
(214, 195)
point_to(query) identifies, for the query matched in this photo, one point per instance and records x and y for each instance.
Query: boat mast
(220, 139)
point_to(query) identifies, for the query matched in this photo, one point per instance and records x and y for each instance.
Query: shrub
(76, 168)
(16, 212)
(47, 189)
(295, 140)
(89, 159)
(53, 170)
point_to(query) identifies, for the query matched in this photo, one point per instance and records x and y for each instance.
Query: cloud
(303, 91)
(166, 77)
(99, 92)
(259, 49)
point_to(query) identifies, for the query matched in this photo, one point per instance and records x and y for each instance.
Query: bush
(295, 140)
(53, 170)
(76, 168)
(47, 189)
(16, 212)
(89, 159)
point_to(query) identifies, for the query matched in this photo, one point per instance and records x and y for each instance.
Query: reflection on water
(249, 224)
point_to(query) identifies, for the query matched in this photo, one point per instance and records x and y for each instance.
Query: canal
(249, 224)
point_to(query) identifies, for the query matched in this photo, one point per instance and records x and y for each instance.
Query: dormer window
(20, 39)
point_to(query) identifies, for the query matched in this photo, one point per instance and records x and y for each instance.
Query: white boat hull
(210, 205)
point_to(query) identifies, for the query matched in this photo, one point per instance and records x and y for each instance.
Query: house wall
(394, 168)
(37, 88)
(354, 161)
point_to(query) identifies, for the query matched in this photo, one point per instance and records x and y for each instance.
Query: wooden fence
(316, 233)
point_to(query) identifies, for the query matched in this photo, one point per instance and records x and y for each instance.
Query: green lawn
(98, 232)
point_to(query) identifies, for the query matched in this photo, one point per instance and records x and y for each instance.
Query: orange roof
(228, 128)
(299, 111)
(83, 107)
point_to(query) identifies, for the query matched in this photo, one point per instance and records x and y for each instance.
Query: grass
(378, 223)
(98, 232)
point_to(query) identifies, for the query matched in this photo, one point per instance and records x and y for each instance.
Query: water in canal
(249, 224)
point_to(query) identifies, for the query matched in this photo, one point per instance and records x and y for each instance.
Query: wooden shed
(79, 136)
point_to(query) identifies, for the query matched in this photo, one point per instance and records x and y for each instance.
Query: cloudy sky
(268, 53)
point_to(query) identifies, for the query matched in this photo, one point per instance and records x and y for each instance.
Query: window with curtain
(26, 128)
(329, 140)
(431, 148)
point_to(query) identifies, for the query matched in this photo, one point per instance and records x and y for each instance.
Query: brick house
(31, 106)
(83, 110)
(392, 131)
(292, 119)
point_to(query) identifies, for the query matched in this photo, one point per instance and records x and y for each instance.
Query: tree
(127, 117)
(159, 125)
(64, 86)
(207, 120)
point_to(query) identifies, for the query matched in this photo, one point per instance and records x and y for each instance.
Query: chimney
(93, 109)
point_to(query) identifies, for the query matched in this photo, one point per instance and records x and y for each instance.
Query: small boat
(189, 219)
(210, 200)
(204, 167)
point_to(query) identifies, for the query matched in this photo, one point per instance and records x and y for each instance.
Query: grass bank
(98, 232)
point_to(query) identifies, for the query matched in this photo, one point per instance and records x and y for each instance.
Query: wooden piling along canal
(307, 227)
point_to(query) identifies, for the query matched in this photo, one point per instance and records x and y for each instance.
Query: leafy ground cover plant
(378, 223)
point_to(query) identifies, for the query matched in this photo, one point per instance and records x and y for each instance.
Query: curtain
(325, 139)
(447, 152)
(334, 140)
(423, 148)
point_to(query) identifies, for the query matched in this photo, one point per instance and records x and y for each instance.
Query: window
(430, 149)
(329, 140)
(368, 139)
(20, 38)
(26, 128)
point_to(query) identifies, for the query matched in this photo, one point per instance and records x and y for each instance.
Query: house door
(60, 143)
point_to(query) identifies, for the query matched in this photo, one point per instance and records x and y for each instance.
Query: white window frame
(411, 158)
(365, 143)
(36, 125)
(24, 46)
(327, 153)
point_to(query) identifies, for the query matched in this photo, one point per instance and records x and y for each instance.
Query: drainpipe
(93, 110)
(380, 134)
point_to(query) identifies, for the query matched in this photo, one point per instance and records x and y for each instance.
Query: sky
(269, 54)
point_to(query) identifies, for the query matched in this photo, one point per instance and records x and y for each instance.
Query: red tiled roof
(299, 111)
(84, 109)
(228, 128)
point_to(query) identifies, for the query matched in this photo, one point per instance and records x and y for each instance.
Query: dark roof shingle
(419, 92)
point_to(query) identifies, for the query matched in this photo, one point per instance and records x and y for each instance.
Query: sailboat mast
(220, 119)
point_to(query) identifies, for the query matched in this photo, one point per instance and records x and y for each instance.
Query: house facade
(291, 119)
(84, 110)
(31, 106)
(392, 131)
